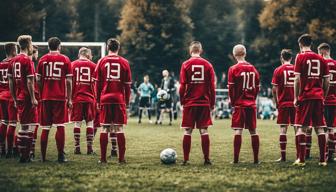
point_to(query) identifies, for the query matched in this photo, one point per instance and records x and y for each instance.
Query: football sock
(297, 146)
(22, 143)
(322, 146)
(10, 137)
(158, 115)
(149, 114)
(95, 131)
(331, 145)
(113, 138)
(60, 139)
(44, 143)
(121, 145)
(308, 143)
(140, 114)
(34, 139)
(237, 141)
(30, 139)
(170, 116)
(205, 146)
(302, 147)
(186, 146)
(283, 143)
(103, 146)
(3, 132)
(255, 147)
(89, 138)
(76, 132)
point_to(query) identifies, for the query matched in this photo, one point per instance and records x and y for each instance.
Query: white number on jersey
(53, 69)
(314, 67)
(3, 76)
(248, 80)
(112, 70)
(198, 73)
(332, 77)
(17, 70)
(288, 77)
(83, 74)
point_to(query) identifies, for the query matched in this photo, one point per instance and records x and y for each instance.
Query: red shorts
(329, 115)
(12, 112)
(4, 117)
(27, 113)
(96, 122)
(196, 116)
(286, 116)
(310, 113)
(53, 112)
(244, 118)
(82, 111)
(113, 114)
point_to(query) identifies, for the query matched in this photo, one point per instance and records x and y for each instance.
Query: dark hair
(24, 41)
(305, 40)
(113, 44)
(9, 48)
(286, 54)
(324, 46)
(195, 46)
(54, 43)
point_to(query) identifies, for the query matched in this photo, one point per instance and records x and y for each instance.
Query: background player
(145, 90)
(330, 100)
(113, 88)
(243, 82)
(310, 88)
(283, 94)
(55, 82)
(83, 98)
(197, 95)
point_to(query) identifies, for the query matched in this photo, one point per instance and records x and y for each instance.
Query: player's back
(283, 78)
(198, 76)
(82, 80)
(312, 69)
(53, 68)
(244, 77)
(331, 97)
(112, 73)
(4, 88)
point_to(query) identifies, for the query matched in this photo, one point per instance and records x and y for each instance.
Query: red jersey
(197, 83)
(312, 68)
(20, 69)
(82, 81)
(331, 97)
(4, 86)
(53, 68)
(283, 79)
(244, 84)
(113, 76)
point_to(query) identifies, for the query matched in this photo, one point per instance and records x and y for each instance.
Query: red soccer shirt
(113, 76)
(53, 68)
(331, 97)
(312, 68)
(83, 90)
(244, 83)
(283, 79)
(197, 79)
(20, 69)
(4, 87)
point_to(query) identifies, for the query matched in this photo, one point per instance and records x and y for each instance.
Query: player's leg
(10, 139)
(255, 145)
(32, 150)
(308, 142)
(140, 114)
(301, 137)
(23, 143)
(318, 121)
(77, 132)
(141, 107)
(121, 140)
(237, 141)
(283, 142)
(103, 142)
(202, 124)
(113, 138)
(158, 111)
(3, 132)
(46, 123)
(322, 143)
(148, 108)
(170, 110)
(250, 124)
(59, 117)
(284, 119)
(77, 117)
(237, 124)
(89, 137)
(205, 140)
(331, 144)
(186, 144)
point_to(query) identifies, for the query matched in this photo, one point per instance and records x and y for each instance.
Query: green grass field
(144, 172)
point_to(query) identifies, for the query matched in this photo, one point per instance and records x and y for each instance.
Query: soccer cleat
(299, 164)
(322, 164)
(122, 162)
(77, 151)
(185, 163)
(280, 160)
(62, 158)
(32, 156)
(257, 162)
(234, 162)
(170, 123)
(207, 162)
(102, 162)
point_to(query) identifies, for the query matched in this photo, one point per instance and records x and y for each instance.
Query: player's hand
(34, 102)
(69, 103)
(15, 103)
(296, 102)
(98, 106)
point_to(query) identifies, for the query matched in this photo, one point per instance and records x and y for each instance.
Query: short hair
(84, 51)
(324, 46)
(24, 41)
(305, 40)
(195, 47)
(113, 44)
(10, 48)
(239, 50)
(286, 54)
(54, 43)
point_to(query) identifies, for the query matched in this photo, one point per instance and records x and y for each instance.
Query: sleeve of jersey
(297, 66)
(30, 69)
(230, 77)
(326, 72)
(68, 68)
(182, 84)
(10, 70)
(128, 79)
(231, 88)
(257, 83)
(275, 78)
(212, 88)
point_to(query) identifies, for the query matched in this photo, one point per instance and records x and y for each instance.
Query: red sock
(89, 138)
(283, 144)
(10, 137)
(237, 141)
(44, 143)
(302, 147)
(3, 132)
(205, 146)
(331, 145)
(186, 146)
(30, 138)
(322, 146)
(121, 146)
(103, 146)
(113, 137)
(308, 145)
(60, 139)
(34, 139)
(76, 132)
(255, 147)
(297, 146)
(23, 143)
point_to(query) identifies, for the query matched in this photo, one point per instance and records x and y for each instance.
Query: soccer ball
(168, 156)
(162, 95)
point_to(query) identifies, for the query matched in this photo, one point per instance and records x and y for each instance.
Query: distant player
(54, 77)
(197, 95)
(113, 88)
(330, 100)
(7, 128)
(243, 82)
(145, 90)
(310, 88)
(283, 93)
(21, 76)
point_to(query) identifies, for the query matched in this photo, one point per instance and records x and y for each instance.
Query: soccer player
(283, 94)
(113, 89)
(54, 77)
(83, 98)
(330, 100)
(243, 82)
(310, 88)
(197, 95)
(5, 99)
(145, 90)
(21, 75)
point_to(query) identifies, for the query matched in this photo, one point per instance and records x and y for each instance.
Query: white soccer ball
(168, 156)
(162, 95)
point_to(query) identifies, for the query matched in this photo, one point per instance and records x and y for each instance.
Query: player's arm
(296, 88)
(212, 88)
(127, 85)
(38, 75)
(30, 86)
(182, 85)
(326, 83)
(231, 88)
(275, 94)
(12, 88)
(69, 83)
